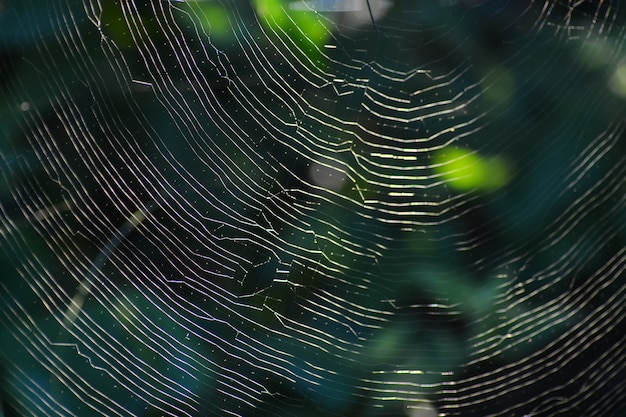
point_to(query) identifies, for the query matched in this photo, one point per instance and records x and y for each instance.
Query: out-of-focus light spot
(617, 82)
(327, 177)
(595, 53)
(303, 25)
(466, 170)
(424, 409)
(350, 14)
(328, 5)
(215, 20)
(269, 9)
(25, 106)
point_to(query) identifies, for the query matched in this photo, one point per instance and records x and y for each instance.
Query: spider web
(403, 208)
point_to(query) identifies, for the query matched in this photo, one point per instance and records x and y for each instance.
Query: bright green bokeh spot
(305, 28)
(215, 20)
(311, 26)
(465, 170)
(270, 10)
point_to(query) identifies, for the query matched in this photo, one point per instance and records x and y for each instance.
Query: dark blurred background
(268, 207)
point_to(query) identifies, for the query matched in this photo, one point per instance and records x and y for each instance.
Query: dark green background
(538, 81)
